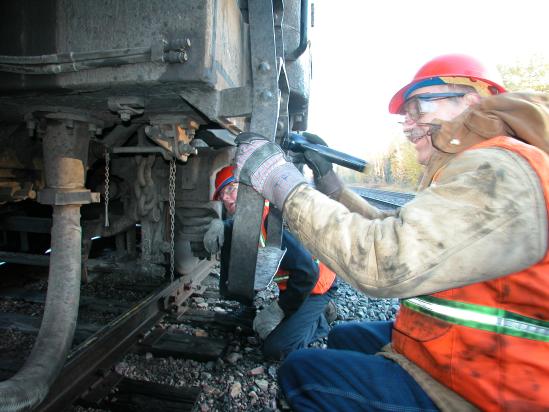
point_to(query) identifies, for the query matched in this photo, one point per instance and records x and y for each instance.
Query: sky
(363, 51)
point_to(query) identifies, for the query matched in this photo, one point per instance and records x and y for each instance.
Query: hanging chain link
(171, 199)
(107, 176)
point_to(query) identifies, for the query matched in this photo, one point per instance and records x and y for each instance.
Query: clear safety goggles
(228, 190)
(416, 106)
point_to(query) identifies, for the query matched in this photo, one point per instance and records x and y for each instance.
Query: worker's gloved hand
(318, 164)
(262, 165)
(326, 180)
(268, 319)
(214, 236)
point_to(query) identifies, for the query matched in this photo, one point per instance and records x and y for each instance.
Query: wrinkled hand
(214, 236)
(268, 319)
(326, 180)
(262, 165)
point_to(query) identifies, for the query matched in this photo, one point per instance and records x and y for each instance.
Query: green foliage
(531, 75)
(397, 168)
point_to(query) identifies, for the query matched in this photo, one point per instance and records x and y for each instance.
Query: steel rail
(89, 362)
(389, 198)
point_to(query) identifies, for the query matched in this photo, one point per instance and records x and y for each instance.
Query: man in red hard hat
(468, 257)
(303, 310)
(226, 189)
(453, 81)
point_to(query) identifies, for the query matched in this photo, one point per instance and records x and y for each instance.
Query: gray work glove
(261, 164)
(214, 236)
(268, 319)
(326, 180)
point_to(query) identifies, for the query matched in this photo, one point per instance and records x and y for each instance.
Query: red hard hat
(222, 179)
(442, 69)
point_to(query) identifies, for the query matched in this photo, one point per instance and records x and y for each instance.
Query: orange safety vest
(326, 277)
(488, 341)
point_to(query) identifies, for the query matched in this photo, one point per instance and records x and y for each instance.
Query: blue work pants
(349, 377)
(301, 328)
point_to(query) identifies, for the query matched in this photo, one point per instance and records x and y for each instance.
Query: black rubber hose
(65, 149)
(28, 387)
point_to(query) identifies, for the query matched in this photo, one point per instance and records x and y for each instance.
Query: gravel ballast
(242, 380)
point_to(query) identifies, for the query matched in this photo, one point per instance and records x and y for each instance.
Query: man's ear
(471, 99)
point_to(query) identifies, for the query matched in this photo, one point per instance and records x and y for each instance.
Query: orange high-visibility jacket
(326, 277)
(488, 341)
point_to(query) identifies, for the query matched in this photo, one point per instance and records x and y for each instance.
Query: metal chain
(171, 199)
(107, 176)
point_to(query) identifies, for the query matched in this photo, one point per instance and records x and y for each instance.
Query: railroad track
(383, 198)
(88, 371)
(89, 375)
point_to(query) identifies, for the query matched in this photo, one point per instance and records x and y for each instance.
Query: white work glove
(214, 236)
(268, 319)
(261, 164)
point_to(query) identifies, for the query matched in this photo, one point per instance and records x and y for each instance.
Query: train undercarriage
(114, 119)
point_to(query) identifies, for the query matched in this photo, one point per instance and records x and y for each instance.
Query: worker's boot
(243, 317)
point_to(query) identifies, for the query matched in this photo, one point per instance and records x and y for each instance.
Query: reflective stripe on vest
(473, 348)
(281, 277)
(480, 317)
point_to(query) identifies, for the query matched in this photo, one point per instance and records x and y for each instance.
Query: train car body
(123, 111)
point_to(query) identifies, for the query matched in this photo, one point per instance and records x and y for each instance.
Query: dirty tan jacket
(485, 217)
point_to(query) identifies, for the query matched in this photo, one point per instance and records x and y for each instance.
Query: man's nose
(408, 123)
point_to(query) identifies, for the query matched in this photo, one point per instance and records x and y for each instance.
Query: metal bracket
(56, 197)
(142, 150)
(127, 106)
(36, 116)
(265, 115)
(268, 262)
(174, 135)
(172, 51)
(235, 102)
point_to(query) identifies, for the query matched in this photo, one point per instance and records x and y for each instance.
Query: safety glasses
(228, 190)
(416, 106)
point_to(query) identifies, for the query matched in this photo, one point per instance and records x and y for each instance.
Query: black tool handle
(298, 143)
